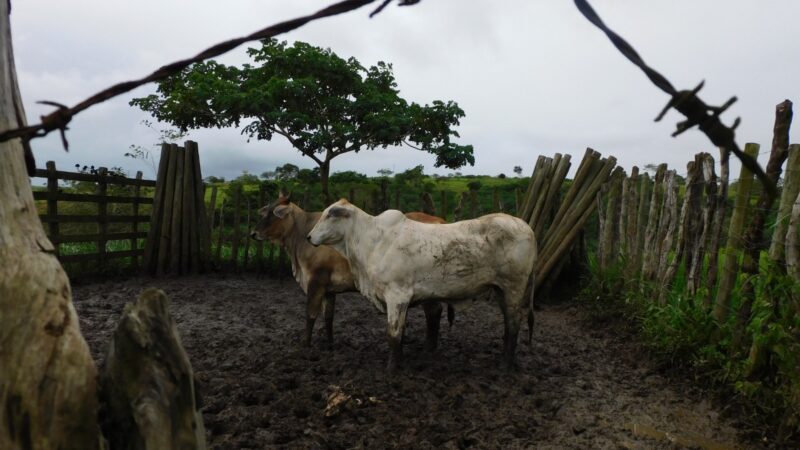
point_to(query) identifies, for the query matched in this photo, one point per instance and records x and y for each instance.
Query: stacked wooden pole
(178, 241)
(557, 236)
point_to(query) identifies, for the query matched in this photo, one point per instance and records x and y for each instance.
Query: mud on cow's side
(397, 262)
(322, 272)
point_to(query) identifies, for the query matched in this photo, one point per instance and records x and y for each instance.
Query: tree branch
(294, 143)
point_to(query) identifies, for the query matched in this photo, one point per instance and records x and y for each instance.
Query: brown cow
(321, 271)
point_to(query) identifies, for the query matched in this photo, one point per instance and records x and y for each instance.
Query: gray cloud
(533, 77)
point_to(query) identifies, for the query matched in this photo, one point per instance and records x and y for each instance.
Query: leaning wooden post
(495, 200)
(220, 234)
(246, 234)
(730, 265)
(203, 232)
(47, 375)
(148, 383)
(189, 250)
(52, 204)
(177, 215)
(151, 245)
(427, 204)
(793, 241)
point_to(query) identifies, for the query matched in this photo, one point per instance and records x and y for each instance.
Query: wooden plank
(95, 237)
(177, 215)
(102, 211)
(135, 225)
(165, 232)
(235, 240)
(52, 203)
(89, 198)
(152, 243)
(91, 177)
(83, 257)
(64, 218)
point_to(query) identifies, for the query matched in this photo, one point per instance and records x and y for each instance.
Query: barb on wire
(697, 112)
(60, 118)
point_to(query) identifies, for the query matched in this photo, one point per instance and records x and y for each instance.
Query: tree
(518, 170)
(385, 172)
(324, 105)
(286, 172)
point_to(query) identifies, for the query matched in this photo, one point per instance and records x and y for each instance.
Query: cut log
(148, 384)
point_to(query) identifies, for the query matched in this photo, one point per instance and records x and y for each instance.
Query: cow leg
(433, 317)
(316, 292)
(396, 317)
(513, 319)
(328, 308)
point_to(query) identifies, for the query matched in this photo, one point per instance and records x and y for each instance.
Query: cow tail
(531, 286)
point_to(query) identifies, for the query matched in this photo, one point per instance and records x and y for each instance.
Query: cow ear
(339, 212)
(282, 211)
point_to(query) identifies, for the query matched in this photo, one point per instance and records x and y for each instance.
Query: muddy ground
(578, 387)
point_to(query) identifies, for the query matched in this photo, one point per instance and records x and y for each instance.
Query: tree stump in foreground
(148, 384)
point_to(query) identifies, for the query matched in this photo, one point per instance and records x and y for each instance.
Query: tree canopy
(322, 104)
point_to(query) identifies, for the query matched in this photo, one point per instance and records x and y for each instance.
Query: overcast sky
(533, 77)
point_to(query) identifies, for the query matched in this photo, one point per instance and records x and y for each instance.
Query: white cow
(397, 262)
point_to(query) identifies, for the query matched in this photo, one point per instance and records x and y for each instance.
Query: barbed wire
(697, 112)
(60, 118)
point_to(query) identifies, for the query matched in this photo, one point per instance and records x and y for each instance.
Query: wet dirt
(576, 388)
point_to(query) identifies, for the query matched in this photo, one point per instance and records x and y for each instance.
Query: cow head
(276, 220)
(333, 224)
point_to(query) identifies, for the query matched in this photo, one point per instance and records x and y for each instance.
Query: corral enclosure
(684, 266)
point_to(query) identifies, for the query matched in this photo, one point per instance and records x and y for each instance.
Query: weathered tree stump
(47, 376)
(148, 384)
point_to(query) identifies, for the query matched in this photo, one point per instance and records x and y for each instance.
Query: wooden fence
(106, 189)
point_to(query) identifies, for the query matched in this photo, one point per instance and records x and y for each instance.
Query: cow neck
(297, 238)
(360, 239)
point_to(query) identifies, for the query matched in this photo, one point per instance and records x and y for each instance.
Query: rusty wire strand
(58, 119)
(697, 112)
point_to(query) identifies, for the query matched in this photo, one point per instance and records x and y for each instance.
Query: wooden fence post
(247, 235)
(701, 242)
(220, 234)
(473, 203)
(791, 187)
(669, 224)
(611, 225)
(443, 205)
(720, 207)
(236, 239)
(262, 201)
(102, 213)
(137, 189)
(52, 205)
(730, 266)
(643, 207)
(427, 203)
(189, 249)
(650, 252)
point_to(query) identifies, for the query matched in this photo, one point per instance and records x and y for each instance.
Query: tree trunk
(324, 175)
(47, 376)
